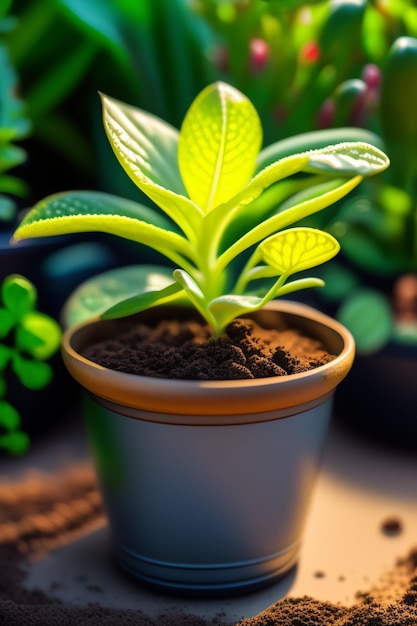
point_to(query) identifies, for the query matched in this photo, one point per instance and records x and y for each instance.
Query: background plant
(27, 339)
(14, 126)
(377, 226)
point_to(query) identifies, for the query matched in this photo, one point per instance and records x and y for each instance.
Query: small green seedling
(27, 339)
(207, 179)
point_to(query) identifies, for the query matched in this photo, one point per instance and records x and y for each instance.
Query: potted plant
(207, 482)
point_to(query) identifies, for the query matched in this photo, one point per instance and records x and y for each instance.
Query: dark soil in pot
(180, 349)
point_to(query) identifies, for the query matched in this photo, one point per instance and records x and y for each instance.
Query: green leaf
(89, 211)
(5, 355)
(219, 142)
(289, 216)
(8, 209)
(298, 249)
(316, 139)
(83, 203)
(3, 386)
(345, 159)
(142, 301)
(147, 147)
(39, 335)
(99, 293)
(18, 294)
(194, 293)
(32, 374)
(7, 322)
(349, 159)
(15, 442)
(226, 308)
(9, 417)
(367, 314)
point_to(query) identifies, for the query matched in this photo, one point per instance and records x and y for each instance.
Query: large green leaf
(219, 142)
(146, 147)
(88, 211)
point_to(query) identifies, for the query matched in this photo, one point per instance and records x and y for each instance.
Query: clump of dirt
(186, 350)
(393, 602)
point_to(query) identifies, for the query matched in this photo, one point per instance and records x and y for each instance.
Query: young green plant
(222, 233)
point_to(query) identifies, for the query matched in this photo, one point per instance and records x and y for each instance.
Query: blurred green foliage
(28, 338)
(14, 126)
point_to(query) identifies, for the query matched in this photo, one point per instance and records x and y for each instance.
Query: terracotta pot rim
(194, 396)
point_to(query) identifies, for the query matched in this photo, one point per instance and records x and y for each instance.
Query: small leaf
(298, 249)
(219, 142)
(18, 294)
(9, 417)
(39, 335)
(226, 308)
(32, 374)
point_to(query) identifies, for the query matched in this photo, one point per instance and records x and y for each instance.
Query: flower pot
(207, 483)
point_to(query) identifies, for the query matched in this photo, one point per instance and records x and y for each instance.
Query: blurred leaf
(7, 322)
(15, 442)
(32, 374)
(339, 281)
(367, 314)
(8, 209)
(38, 334)
(9, 417)
(5, 354)
(18, 295)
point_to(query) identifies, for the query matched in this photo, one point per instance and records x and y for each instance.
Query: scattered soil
(392, 527)
(42, 512)
(186, 350)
